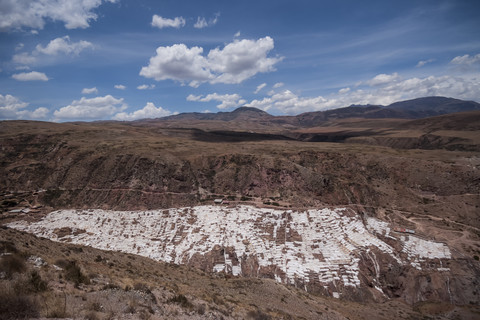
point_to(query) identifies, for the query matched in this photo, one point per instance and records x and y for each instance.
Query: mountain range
(409, 109)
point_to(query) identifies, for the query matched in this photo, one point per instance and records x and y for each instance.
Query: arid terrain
(366, 212)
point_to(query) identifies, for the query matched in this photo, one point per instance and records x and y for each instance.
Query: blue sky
(87, 60)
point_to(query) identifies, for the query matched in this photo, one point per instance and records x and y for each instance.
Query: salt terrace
(324, 243)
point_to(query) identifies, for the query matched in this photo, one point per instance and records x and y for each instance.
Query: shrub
(11, 264)
(73, 272)
(55, 305)
(201, 309)
(15, 306)
(91, 315)
(258, 315)
(181, 300)
(111, 286)
(142, 287)
(36, 282)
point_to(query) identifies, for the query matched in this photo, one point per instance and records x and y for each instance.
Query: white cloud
(466, 60)
(90, 90)
(242, 59)
(149, 111)
(382, 90)
(17, 14)
(120, 87)
(161, 23)
(24, 58)
(278, 85)
(227, 100)
(19, 47)
(236, 62)
(236, 35)
(424, 62)
(202, 22)
(91, 109)
(64, 45)
(12, 108)
(260, 87)
(146, 87)
(287, 102)
(53, 48)
(30, 76)
(179, 63)
(382, 79)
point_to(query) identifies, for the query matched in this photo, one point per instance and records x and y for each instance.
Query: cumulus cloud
(120, 87)
(236, 62)
(227, 100)
(90, 90)
(466, 60)
(161, 22)
(30, 76)
(91, 109)
(64, 45)
(287, 102)
(179, 63)
(260, 87)
(236, 35)
(382, 79)
(278, 85)
(242, 59)
(12, 108)
(149, 111)
(146, 87)
(375, 91)
(17, 14)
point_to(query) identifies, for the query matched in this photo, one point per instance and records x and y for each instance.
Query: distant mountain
(242, 113)
(410, 109)
(433, 106)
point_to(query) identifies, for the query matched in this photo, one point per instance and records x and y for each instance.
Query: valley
(356, 213)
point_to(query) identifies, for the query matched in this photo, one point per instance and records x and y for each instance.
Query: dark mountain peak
(249, 110)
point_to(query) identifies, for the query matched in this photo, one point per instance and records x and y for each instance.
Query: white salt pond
(320, 245)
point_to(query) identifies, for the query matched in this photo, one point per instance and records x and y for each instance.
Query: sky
(87, 60)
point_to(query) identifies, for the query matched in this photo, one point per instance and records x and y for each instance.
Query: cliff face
(135, 175)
